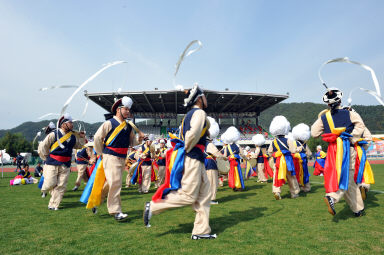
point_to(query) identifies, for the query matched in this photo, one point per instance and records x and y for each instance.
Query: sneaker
(120, 216)
(321, 175)
(43, 194)
(75, 188)
(94, 210)
(147, 215)
(214, 202)
(277, 196)
(363, 191)
(331, 204)
(206, 236)
(53, 208)
(359, 213)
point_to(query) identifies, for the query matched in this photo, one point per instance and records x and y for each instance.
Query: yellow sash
(94, 199)
(182, 128)
(282, 175)
(115, 132)
(62, 140)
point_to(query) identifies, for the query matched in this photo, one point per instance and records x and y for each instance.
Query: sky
(272, 46)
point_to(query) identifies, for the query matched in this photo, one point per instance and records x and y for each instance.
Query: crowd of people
(185, 168)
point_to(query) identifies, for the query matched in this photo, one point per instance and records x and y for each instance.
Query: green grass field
(249, 222)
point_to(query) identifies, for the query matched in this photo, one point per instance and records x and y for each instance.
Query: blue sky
(259, 46)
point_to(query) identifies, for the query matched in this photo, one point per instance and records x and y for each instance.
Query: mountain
(296, 113)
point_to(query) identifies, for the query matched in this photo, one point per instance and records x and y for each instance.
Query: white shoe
(43, 194)
(75, 188)
(206, 236)
(120, 216)
(214, 202)
(53, 208)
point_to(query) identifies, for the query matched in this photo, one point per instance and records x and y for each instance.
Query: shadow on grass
(237, 195)
(220, 224)
(346, 213)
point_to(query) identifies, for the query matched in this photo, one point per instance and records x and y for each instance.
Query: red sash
(60, 158)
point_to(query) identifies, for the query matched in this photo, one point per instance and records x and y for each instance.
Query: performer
(84, 157)
(58, 160)
(281, 149)
(112, 140)
(160, 155)
(234, 154)
(263, 169)
(187, 184)
(301, 134)
(319, 161)
(146, 153)
(212, 153)
(339, 127)
(129, 161)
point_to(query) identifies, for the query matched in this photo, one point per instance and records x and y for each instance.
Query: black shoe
(359, 213)
(206, 236)
(363, 191)
(147, 214)
(331, 205)
(94, 210)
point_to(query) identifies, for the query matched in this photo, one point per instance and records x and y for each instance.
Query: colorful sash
(41, 182)
(63, 139)
(235, 174)
(137, 176)
(174, 168)
(284, 163)
(249, 171)
(268, 172)
(301, 168)
(90, 184)
(363, 170)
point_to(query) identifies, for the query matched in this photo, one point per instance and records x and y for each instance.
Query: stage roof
(166, 104)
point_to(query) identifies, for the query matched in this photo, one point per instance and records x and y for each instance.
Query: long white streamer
(376, 94)
(185, 54)
(34, 139)
(66, 104)
(58, 87)
(48, 114)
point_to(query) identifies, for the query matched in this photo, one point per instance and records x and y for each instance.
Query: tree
(313, 142)
(15, 143)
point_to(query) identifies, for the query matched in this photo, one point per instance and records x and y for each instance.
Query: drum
(253, 162)
(223, 166)
(132, 168)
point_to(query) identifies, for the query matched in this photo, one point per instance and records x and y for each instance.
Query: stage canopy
(167, 104)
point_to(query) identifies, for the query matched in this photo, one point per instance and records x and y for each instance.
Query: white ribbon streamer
(48, 114)
(66, 104)
(185, 54)
(347, 60)
(34, 139)
(58, 87)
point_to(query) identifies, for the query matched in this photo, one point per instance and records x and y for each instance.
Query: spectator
(25, 172)
(38, 170)
(19, 159)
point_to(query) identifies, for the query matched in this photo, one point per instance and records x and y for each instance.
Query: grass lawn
(249, 222)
